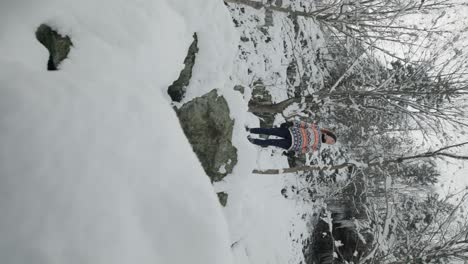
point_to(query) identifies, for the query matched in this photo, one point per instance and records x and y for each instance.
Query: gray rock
(223, 197)
(57, 45)
(178, 88)
(208, 127)
(260, 94)
(240, 89)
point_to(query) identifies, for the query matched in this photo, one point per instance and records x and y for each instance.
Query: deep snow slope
(94, 167)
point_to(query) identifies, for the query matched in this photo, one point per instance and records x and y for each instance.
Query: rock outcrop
(57, 45)
(177, 89)
(208, 127)
(261, 95)
(223, 198)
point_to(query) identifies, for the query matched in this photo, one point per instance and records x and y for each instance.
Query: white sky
(454, 172)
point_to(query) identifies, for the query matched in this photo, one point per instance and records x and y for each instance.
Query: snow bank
(94, 166)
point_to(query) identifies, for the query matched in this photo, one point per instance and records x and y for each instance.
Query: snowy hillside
(94, 166)
(97, 166)
(267, 214)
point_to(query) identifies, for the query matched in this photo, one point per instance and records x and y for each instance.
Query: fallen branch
(352, 165)
(305, 168)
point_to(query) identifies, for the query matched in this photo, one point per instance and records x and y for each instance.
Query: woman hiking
(296, 137)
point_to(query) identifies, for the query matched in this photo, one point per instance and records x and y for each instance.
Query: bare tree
(416, 86)
(441, 152)
(418, 230)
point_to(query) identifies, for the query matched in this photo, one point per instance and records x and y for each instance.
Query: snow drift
(94, 165)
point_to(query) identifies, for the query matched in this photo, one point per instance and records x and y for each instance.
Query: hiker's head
(328, 137)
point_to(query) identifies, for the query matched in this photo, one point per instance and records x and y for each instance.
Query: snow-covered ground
(94, 167)
(265, 226)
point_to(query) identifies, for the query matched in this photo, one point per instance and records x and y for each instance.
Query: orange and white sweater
(306, 137)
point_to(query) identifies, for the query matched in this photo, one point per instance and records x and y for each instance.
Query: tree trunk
(272, 108)
(351, 165)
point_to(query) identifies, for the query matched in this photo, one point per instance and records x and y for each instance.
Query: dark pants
(284, 142)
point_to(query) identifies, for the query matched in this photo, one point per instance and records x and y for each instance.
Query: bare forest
(380, 99)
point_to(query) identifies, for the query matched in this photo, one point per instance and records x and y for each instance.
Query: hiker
(295, 137)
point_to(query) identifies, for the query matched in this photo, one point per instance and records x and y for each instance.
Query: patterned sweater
(305, 137)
